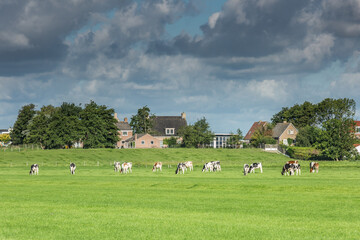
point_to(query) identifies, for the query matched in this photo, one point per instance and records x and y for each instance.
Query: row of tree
(327, 126)
(57, 127)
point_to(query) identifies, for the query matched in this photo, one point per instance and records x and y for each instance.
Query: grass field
(97, 203)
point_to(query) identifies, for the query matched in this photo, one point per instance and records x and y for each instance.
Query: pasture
(97, 203)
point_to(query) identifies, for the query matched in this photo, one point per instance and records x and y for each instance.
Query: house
(254, 127)
(125, 131)
(220, 140)
(144, 140)
(168, 126)
(5, 131)
(283, 131)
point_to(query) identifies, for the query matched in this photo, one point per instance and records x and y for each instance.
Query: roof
(163, 122)
(133, 137)
(253, 128)
(123, 126)
(279, 129)
(357, 123)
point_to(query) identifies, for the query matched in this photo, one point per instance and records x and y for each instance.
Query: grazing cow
(34, 169)
(157, 165)
(246, 169)
(72, 168)
(291, 169)
(314, 167)
(208, 167)
(180, 167)
(255, 166)
(126, 167)
(287, 170)
(189, 165)
(117, 166)
(216, 166)
(296, 168)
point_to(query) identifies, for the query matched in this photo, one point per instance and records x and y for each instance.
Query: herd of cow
(290, 168)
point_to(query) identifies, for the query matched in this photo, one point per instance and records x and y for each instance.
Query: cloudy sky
(231, 61)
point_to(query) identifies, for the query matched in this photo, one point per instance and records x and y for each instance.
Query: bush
(304, 153)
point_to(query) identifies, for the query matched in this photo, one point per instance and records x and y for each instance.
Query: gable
(254, 127)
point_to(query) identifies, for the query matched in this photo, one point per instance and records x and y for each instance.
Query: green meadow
(97, 203)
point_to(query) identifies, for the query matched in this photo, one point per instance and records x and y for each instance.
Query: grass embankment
(97, 203)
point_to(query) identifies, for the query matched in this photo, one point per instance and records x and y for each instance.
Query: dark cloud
(34, 31)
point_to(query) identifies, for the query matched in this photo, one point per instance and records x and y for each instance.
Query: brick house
(254, 127)
(144, 140)
(282, 131)
(168, 126)
(125, 131)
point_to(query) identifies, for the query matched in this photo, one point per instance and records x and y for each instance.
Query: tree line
(328, 126)
(61, 127)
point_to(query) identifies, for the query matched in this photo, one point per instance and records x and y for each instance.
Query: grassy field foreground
(97, 203)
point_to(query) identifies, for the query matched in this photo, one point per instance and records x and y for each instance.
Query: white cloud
(268, 89)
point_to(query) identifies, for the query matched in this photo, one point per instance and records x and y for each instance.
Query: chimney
(115, 116)
(285, 121)
(125, 120)
(183, 115)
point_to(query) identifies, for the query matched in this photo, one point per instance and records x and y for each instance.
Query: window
(142, 142)
(152, 142)
(358, 129)
(169, 131)
(124, 133)
(291, 132)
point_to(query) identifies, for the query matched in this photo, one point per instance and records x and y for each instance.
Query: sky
(233, 62)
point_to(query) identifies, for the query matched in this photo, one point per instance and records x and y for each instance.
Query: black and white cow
(180, 167)
(117, 166)
(216, 166)
(246, 169)
(287, 170)
(297, 168)
(34, 169)
(72, 168)
(291, 169)
(208, 167)
(254, 166)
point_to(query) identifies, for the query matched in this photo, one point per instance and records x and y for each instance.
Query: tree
(262, 135)
(19, 132)
(307, 136)
(234, 140)
(337, 139)
(171, 142)
(299, 115)
(100, 130)
(5, 138)
(197, 135)
(142, 122)
(39, 126)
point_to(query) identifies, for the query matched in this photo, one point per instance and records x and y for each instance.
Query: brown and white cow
(189, 165)
(314, 167)
(34, 169)
(293, 162)
(157, 165)
(72, 168)
(126, 167)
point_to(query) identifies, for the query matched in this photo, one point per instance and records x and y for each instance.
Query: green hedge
(304, 153)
